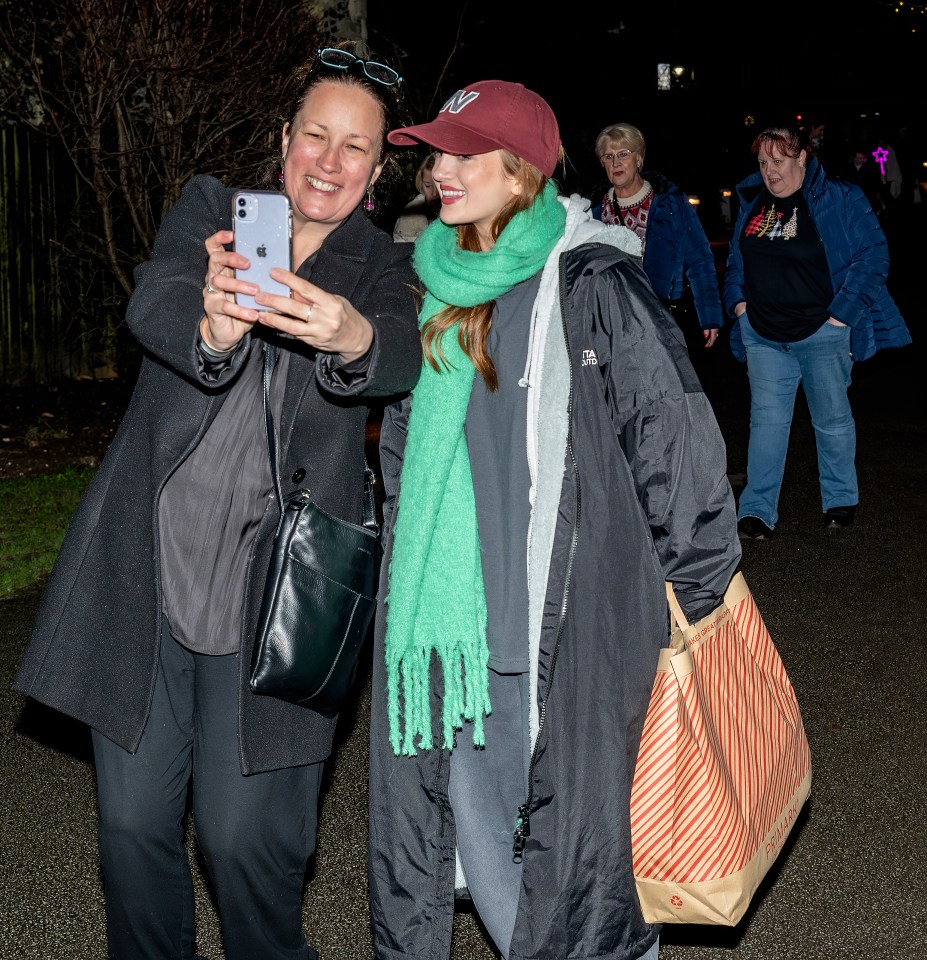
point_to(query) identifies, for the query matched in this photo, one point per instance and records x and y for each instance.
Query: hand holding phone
(263, 227)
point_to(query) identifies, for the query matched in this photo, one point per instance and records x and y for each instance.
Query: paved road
(847, 613)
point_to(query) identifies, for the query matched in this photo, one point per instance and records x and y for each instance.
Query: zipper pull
(522, 832)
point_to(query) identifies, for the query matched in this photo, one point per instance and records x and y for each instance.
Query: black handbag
(320, 593)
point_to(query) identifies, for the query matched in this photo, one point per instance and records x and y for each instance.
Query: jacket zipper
(523, 820)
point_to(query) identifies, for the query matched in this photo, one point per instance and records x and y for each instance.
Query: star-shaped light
(881, 155)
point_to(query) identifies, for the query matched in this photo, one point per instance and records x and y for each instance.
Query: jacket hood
(582, 228)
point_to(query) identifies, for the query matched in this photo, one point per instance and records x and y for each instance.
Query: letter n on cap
(459, 100)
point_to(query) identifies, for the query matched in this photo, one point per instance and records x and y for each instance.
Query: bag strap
(675, 608)
(270, 360)
(678, 620)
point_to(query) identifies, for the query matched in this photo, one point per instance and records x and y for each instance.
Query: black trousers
(256, 833)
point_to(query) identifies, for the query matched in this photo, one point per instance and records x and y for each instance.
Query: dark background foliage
(111, 108)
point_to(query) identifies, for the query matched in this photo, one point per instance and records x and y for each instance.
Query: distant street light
(663, 76)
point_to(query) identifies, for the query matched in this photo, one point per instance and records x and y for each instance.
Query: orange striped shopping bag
(723, 768)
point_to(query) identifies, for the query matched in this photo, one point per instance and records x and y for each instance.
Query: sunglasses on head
(336, 59)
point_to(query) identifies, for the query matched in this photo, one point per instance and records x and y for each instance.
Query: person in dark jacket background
(861, 169)
(805, 281)
(675, 248)
(422, 209)
(146, 628)
(557, 463)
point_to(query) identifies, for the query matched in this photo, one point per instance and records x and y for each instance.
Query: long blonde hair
(476, 322)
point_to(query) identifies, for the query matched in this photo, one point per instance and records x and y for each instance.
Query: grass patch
(34, 516)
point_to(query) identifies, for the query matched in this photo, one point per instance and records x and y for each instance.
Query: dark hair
(427, 164)
(788, 140)
(312, 73)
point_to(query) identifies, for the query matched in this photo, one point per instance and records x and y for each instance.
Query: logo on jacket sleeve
(589, 358)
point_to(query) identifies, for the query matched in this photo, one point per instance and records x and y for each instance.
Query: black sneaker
(837, 517)
(752, 528)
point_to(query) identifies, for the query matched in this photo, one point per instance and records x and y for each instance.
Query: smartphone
(263, 226)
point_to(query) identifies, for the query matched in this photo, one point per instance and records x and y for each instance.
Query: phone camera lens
(241, 201)
(242, 214)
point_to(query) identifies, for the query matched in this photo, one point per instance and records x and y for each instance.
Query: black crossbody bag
(320, 593)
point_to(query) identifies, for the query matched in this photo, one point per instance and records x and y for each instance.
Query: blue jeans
(821, 364)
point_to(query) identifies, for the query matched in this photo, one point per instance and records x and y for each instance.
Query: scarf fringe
(466, 699)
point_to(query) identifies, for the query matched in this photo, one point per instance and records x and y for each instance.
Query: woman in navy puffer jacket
(675, 247)
(805, 280)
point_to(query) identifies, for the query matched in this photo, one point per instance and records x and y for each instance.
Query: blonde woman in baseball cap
(556, 463)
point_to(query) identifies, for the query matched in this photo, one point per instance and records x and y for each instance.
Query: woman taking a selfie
(146, 628)
(556, 464)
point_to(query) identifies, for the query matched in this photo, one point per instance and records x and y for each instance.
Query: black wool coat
(93, 652)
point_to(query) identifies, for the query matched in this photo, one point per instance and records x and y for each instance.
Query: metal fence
(59, 308)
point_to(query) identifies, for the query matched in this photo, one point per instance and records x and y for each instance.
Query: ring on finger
(209, 287)
(309, 312)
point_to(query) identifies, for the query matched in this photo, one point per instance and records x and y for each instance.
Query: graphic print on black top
(768, 223)
(786, 278)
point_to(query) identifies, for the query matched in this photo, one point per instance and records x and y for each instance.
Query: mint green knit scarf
(435, 601)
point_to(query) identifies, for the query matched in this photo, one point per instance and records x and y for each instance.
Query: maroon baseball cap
(491, 115)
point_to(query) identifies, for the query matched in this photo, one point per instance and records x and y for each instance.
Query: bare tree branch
(140, 97)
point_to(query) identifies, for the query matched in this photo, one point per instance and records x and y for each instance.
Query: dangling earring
(280, 174)
(368, 203)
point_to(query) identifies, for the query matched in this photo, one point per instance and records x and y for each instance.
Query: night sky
(596, 64)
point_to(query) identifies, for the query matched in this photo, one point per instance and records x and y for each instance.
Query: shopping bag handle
(676, 609)
(679, 622)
